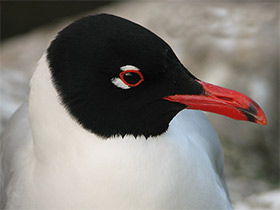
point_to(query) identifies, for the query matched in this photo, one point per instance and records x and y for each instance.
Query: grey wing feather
(16, 136)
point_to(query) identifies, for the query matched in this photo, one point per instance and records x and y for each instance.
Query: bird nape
(108, 126)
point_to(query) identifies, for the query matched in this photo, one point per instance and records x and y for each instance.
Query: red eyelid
(132, 71)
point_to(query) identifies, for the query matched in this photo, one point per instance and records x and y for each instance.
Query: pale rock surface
(265, 200)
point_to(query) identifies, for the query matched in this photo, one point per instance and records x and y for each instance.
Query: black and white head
(117, 78)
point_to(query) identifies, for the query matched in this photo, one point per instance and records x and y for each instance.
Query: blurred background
(234, 44)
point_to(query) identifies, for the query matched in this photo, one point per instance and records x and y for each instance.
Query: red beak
(222, 101)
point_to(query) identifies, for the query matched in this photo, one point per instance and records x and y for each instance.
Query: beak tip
(262, 120)
(255, 113)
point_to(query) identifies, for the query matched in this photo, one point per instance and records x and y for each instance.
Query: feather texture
(58, 164)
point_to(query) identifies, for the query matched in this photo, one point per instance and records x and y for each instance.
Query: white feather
(129, 67)
(61, 165)
(119, 83)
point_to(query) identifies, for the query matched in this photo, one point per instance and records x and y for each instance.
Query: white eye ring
(129, 67)
(118, 82)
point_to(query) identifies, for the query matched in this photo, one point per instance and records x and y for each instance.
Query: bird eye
(129, 77)
(132, 78)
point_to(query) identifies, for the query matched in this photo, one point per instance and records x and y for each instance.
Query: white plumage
(49, 161)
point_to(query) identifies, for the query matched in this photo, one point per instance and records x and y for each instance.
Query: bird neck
(54, 131)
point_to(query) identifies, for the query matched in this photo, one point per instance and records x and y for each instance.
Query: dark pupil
(131, 78)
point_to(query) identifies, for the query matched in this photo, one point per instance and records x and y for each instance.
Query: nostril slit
(225, 98)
